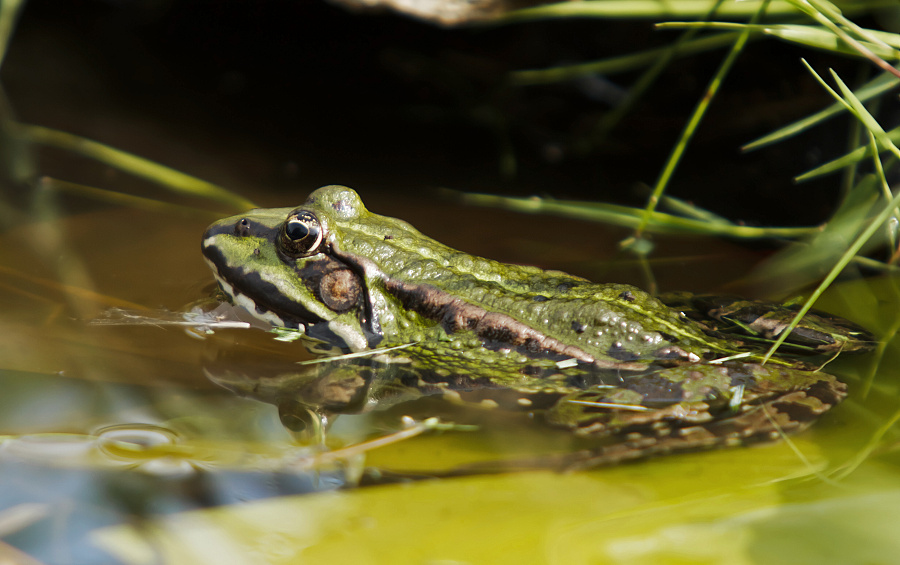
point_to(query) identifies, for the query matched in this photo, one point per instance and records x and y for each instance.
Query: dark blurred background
(293, 94)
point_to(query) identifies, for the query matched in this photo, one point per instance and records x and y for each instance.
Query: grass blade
(874, 88)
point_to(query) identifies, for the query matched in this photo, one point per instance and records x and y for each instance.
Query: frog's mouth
(245, 287)
(261, 298)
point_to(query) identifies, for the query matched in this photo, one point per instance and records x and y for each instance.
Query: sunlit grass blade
(624, 63)
(652, 9)
(876, 133)
(356, 355)
(874, 88)
(693, 123)
(830, 16)
(863, 115)
(846, 160)
(834, 13)
(689, 210)
(132, 164)
(817, 37)
(645, 81)
(629, 217)
(803, 263)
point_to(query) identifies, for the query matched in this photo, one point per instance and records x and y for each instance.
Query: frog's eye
(301, 234)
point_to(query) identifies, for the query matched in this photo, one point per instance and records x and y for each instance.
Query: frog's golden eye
(301, 234)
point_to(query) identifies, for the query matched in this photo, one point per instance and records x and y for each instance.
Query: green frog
(652, 375)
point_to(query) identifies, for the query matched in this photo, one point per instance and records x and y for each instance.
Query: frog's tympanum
(655, 374)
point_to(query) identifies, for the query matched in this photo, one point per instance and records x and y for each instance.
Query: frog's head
(279, 265)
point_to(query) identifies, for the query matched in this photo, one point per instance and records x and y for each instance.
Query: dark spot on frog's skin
(627, 296)
(797, 412)
(499, 334)
(579, 327)
(532, 345)
(618, 352)
(830, 393)
(341, 206)
(387, 237)
(565, 287)
(256, 252)
(540, 298)
(532, 370)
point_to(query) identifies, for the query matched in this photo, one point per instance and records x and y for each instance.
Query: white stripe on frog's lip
(353, 339)
(246, 302)
(340, 335)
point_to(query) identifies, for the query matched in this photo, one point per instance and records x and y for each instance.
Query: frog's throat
(269, 313)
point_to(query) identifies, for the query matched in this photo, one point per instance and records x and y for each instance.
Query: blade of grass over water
(805, 35)
(646, 80)
(693, 123)
(621, 64)
(851, 158)
(691, 211)
(800, 265)
(876, 87)
(663, 10)
(831, 17)
(625, 216)
(132, 164)
(876, 134)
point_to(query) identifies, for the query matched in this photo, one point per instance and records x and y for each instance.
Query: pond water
(148, 441)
